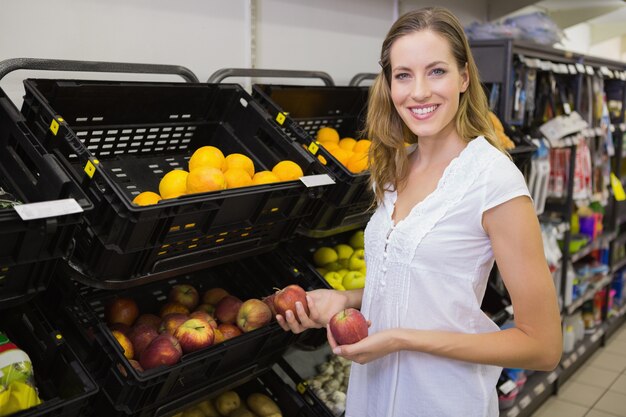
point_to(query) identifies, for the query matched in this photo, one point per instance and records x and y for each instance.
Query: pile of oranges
(210, 170)
(351, 153)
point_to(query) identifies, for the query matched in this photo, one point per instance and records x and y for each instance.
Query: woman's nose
(421, 89)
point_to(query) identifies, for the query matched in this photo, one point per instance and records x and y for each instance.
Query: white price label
(581, 68)
(513, 412)
(589, 70)
(552, 377)
(581, 350)
(317, 180)
(567, 363)
(574, 357)
(525, 402)
(45, 209)
(507, 387)
(572, 69)
(539, 389)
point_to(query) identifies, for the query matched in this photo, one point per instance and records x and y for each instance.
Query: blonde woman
(448, 205)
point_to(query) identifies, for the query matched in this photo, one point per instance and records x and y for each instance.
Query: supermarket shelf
(614, 322)
(597, 243)
(572, 361)
(588, 295)
(620, 264)
(538, 388)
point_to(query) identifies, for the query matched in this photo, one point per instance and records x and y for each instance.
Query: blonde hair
(388, 157)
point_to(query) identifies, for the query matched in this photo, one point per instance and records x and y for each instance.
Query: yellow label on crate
(301, 387)
(54, 127)
(618, 188)
(313, 148)
(280, 118)
(90, 167)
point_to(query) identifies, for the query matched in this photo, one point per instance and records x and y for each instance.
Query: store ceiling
(605, 17)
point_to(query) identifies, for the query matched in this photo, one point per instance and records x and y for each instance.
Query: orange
(322, 159)
(237, 177)
(287, 170)
(237, 160)
(341, 155)
(146, 198)
(347, 144)
(357, 162)
(173, 184)
(330, 146)
(327, 134)
(205, 179)
(264, 177)
(206, 156)
(362, 145)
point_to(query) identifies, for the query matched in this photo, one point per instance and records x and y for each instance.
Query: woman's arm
(323, 304)
(535, 341)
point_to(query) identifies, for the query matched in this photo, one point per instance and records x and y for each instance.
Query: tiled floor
(598, 389)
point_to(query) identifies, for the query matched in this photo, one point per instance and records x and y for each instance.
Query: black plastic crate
(31, 175)
(301, 111)
(137, 132)
(133, 392)
(64, 386)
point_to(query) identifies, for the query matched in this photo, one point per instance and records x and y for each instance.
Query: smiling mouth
(424, 110)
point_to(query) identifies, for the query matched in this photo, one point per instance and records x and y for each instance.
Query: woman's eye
(401, 76)
(438, 71)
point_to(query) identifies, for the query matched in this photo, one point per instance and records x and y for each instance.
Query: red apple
(286, 298)
(226, 310)
(121, 310)
(219, 337)
(164, 350)
(127, 346)
(170, 308)
(229, 331)
(253, 314)
(194, 334)
(150, 319)
(269, 300)
(171, 322)
(214, 296)
(184, 294)
(120, 327)
(204, 316)
(207, 308)
(141, 335)
(135, 364)
(348, 326)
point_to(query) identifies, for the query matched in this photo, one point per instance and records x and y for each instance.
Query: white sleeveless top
(430, 272)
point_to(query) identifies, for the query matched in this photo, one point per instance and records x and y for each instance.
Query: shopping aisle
(597, 389)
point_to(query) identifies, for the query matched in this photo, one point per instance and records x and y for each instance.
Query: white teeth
(425, 110)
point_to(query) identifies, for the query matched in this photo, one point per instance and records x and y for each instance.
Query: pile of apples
(343, 266)
(229, 404)
(189, 322)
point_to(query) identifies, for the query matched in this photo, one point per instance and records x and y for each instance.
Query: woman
(448, 205)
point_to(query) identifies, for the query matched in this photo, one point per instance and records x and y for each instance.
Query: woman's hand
(366, 350)
(323, 304)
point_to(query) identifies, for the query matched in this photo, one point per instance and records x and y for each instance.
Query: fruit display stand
(31, 179)
(129, 391)
(301, 111)
(64, 386)
(120, 138)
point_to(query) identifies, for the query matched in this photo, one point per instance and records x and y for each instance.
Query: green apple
(343, 272)
(324, 255)
(334, 279)
(357, 260)
(344, 251)
(353, 280)
(357, 240)
(363, 270)
(333, 266)
(321, 271)
(345, 263)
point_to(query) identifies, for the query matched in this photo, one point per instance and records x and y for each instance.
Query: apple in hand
(164, 350)
(286, 299)
(353, 280)
(253, 314)
(227, 309)
(184, 294)
(194, 334)
(121, 310)
(357, 260)
(348, 326)
(171, 322)
(141, 335)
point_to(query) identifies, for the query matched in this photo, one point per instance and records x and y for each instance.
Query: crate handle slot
(362, 76)
(223, 73)
(9, 65)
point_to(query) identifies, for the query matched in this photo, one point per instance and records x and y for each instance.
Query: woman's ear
(464, 78)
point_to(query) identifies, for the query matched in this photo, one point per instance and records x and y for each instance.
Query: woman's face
(426, 83)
